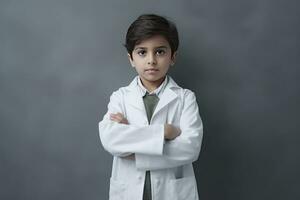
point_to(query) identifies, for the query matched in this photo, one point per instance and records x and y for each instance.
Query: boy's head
(152, 43)
(148, 25)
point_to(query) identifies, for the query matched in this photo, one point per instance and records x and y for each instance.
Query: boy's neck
(152, 85)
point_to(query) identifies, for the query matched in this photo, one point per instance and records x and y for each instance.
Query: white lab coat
(170, 161)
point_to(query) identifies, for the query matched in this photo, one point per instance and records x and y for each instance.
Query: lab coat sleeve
(185, 148)
(124, 139)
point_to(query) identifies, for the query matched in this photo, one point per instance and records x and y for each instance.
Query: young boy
(152, 127)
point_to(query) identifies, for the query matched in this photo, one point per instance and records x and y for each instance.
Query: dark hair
(148, 25)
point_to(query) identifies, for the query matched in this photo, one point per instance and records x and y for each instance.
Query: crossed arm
(136, 142)
(171, 132)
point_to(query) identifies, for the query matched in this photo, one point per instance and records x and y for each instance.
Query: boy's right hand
(171, 132)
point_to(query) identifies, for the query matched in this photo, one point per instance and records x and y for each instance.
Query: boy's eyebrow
(159, 47)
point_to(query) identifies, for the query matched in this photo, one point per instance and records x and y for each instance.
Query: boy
(152, 127)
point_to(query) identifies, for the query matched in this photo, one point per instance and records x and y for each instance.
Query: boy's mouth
(151, 70)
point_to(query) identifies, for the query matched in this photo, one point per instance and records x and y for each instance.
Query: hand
(118, 117)
(171, 132)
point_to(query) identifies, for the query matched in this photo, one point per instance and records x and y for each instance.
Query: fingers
(118, 117)
(171, 131)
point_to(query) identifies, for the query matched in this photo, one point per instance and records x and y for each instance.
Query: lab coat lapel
(167, 96)
(134, 97)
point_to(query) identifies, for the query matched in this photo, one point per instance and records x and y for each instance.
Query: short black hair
(149, 25)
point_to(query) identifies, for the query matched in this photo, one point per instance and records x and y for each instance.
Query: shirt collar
(157, 91)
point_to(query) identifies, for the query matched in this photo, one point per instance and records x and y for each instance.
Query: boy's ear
(130, 60)
(173, 59)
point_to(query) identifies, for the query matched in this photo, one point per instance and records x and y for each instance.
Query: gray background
(61, 60)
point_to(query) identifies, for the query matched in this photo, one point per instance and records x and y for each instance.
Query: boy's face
(152, 59)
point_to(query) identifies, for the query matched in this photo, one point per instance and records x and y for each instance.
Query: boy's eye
(142, 52)
(160, 52)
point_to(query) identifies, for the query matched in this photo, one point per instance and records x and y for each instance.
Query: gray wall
(61, 60)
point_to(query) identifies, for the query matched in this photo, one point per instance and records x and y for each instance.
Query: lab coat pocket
(117, 190)
(183, 188)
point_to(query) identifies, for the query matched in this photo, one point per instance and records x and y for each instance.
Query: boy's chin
(153, 78)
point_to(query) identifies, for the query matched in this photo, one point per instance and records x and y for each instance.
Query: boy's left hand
(118, 117)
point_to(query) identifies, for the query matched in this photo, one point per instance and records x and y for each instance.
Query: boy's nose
(151, 59)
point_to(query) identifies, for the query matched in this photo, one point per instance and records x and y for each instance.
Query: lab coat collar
(171, 83)
(166, 97)
(157, 91)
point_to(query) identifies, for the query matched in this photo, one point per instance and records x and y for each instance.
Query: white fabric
(158, 91)
(170, 162)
